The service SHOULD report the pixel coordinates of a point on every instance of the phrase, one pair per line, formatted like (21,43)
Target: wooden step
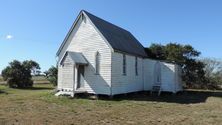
(156,88)
(80,90)
(69,92)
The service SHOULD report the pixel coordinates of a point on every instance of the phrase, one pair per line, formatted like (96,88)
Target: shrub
(51,75)
(18,74)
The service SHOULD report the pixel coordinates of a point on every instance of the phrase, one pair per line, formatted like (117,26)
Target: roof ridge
(120,39)
(105,20)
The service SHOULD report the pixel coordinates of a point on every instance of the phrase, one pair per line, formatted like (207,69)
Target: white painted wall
(170,76)
(65,73)
(87,40)
(178,77)
(148,69)
(129,82)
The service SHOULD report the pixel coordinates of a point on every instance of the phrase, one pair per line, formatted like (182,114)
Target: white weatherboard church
(98,57)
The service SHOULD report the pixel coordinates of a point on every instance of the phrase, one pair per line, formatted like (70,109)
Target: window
(158,78)
(97,63)
(124,64)
(158,73)
(83,18)
(136,66)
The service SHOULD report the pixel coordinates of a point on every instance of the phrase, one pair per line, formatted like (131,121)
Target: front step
(156,88)
(80,90)
(69,92)
(64,93)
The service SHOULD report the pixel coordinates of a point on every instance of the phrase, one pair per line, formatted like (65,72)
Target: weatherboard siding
(69,39)
(66,77)
(129,82)
(178,78)
(170,76)
(148,70)
(87,40)
(59,86)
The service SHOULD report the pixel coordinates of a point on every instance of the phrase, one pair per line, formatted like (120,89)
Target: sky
(34,29)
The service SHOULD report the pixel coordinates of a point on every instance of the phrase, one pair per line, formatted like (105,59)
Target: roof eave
(69,33)
(103,37)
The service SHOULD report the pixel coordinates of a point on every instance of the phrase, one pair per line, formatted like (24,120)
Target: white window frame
(136,66)
(124,65)
(97,63)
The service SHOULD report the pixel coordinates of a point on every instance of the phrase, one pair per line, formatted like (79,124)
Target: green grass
(36,79)
(40,106)
(39,79)
(1,79)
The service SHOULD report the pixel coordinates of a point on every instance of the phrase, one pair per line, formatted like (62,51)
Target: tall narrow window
(136,66)
(124,64)
(83,18)
(97,63)
(158,73)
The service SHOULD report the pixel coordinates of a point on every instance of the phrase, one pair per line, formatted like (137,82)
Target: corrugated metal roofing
(77,58)
(118,38)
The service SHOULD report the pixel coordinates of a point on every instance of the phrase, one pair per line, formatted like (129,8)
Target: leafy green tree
(156,51)
(18,74)
(183,55)
(33,66)
(51,75)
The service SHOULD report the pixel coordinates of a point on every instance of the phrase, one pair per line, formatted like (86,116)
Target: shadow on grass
(34,87)
(39,88)
(186,97)
(3,92)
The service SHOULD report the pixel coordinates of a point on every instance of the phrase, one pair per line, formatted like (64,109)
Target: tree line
(196,72)
(203,73)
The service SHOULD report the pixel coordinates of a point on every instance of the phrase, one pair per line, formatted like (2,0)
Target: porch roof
(77,58)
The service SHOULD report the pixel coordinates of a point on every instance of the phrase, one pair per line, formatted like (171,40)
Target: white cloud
(9,37)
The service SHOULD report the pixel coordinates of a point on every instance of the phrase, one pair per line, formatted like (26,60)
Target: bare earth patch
(38,106)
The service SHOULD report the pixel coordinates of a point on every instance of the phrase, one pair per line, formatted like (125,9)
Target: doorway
(80,77)
(157,74)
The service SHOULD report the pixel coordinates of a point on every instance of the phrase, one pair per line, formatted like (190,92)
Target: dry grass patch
(39,106)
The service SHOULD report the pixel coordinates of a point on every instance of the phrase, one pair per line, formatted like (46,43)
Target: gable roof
(120,39)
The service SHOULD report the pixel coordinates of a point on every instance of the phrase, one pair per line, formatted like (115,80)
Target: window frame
(97,63)
(124,65)
(136,66)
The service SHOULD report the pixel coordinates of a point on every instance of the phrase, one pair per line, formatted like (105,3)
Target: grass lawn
(36,79)
(39,106)
(1,79)
(39,79)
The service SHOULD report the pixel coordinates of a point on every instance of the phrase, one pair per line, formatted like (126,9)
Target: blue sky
(34,29)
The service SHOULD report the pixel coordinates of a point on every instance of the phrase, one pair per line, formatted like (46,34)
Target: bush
(51,75)
(18,74)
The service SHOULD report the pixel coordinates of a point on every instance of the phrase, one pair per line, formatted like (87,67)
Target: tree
(213,72)
(51,75)
(18,74)
(156,51)
(184,55)
(33,66)
(212,66)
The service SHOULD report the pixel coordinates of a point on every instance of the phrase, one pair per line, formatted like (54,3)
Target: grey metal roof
(119,38)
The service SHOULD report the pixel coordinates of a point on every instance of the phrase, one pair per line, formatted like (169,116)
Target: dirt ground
(38,106)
